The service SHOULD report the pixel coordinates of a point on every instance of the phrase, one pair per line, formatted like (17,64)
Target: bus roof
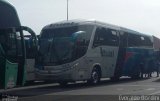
(91,22)
(8,15)
(79,22)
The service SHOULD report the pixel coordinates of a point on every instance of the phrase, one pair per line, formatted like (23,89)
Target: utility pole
(67,10)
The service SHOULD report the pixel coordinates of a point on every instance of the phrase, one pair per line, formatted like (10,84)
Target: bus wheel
(95,77)
(63,83)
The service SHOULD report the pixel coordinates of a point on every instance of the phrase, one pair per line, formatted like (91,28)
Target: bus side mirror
(79,36)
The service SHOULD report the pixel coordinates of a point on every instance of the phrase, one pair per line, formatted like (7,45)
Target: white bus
(78,50)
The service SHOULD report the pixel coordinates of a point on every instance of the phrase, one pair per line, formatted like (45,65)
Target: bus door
(31,46)
(121,54)
(106,41)
(22,66)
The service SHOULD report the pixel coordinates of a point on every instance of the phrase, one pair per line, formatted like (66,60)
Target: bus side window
(105,36)
(99,38)
(112,38)
(147,42)
(134,40)
(12,48)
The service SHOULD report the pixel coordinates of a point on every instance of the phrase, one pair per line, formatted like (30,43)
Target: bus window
(12,47)
(3,37)
(147,42)
(30,47)
(105,36)
(8,44)
(134,40)
(139,41)
(19,44)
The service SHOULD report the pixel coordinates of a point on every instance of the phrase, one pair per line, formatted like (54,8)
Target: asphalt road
(106,91)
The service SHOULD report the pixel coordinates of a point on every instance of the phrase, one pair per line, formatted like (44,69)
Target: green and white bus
(78,50)
(12,47)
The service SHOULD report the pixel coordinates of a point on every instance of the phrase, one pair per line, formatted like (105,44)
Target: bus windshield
(63,45)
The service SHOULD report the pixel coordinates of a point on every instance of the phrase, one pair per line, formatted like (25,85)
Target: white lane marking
(155,93)
(156,86)
(151,89)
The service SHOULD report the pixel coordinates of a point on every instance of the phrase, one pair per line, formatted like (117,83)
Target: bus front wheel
(95,77)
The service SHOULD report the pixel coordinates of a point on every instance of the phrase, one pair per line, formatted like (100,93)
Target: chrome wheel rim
(95,77)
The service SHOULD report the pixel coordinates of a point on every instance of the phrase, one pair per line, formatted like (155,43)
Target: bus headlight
(75,65)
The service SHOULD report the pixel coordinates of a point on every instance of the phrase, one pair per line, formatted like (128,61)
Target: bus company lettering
(107,53)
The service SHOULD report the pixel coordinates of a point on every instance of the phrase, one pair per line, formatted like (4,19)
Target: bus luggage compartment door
(8,77)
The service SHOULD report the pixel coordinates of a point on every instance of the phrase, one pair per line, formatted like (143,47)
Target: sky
(138,15)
